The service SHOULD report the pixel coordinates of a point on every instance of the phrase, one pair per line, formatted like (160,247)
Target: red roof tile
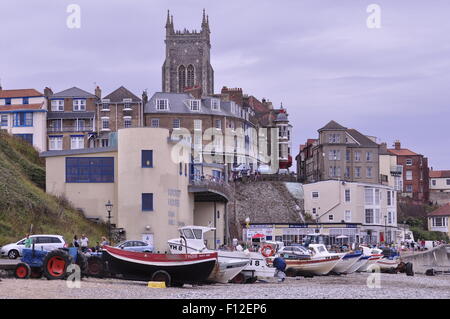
(17,107)
(439,174)
(19,93)
(402,152)
(441,211)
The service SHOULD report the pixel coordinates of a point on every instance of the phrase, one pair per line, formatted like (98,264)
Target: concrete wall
(172,204)
(204,216)
(440,198)
(434,258)
(90,197)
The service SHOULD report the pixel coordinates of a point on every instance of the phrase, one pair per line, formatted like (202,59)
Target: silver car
(135,245)
(41,242)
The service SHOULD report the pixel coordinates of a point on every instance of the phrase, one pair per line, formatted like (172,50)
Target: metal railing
(86,128)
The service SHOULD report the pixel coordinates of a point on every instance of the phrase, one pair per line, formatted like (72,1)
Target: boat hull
(387,264)
(359,264)
(348,261)
(225,270)
(314,266)
(373,259)
(182,268)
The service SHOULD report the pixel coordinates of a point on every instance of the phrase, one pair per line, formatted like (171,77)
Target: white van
(41,242)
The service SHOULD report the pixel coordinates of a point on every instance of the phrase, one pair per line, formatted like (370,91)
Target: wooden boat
(175,270)
(238,266)
(388,263)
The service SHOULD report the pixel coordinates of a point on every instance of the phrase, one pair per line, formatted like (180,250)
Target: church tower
(187,64)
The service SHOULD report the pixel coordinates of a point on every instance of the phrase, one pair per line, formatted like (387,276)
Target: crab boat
(374,255)
(359,264)
(174,270)
(236,266)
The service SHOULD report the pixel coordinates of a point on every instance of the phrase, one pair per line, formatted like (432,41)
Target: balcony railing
(396,170)
(70,129)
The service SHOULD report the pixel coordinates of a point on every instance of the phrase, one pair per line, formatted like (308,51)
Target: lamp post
(109,206)
(385,229)
(247,225)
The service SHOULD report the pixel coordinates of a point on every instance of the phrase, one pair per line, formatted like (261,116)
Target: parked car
(241,168)
(41,242)
(135,245)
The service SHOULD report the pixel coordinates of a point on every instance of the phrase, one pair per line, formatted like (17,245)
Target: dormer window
(233,107)
(79,105)
(127,104)
(162,104)
(194,105)
(215,104)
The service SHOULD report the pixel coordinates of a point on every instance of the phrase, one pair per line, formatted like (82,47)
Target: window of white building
(348,216)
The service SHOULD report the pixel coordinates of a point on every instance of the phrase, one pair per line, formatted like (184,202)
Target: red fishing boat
(173,269)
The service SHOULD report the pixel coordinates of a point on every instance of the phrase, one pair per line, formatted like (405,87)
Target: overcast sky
(318,57)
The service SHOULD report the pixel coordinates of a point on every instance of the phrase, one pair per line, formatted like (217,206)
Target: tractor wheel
(409,269)
(238,279)
(36,272)
(95,267)
(162,275)
(56,263)
(82,262)
(22,271)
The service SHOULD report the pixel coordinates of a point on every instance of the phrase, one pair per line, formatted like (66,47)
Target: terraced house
(71,119)
(23,114)
(119,109)
(340,153)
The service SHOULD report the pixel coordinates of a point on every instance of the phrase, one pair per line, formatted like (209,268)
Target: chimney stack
(48,92)
(98,92)
(397,145)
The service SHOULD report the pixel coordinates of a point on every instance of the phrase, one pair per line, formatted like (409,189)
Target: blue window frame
(89,169)
(8,101)
(26,137)
(147,202)
(25,100)
(3,119)
(147,158)
(23,119)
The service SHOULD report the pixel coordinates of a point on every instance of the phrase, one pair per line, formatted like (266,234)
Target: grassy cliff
(23,201)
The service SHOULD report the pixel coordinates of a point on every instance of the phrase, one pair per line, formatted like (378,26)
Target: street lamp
(385,229)
(109,206)
(247,225)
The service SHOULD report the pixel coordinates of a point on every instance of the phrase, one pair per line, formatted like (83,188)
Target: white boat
(374,254)
(347,262)
(239,265)
(359,263)
(388,263)
(320,261)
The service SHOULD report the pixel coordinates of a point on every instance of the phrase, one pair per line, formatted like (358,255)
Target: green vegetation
(416,217)
(23,201)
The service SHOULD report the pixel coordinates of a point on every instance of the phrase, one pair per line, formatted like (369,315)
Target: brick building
(119,109)
(339,153)
(71,118)
(416,183)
